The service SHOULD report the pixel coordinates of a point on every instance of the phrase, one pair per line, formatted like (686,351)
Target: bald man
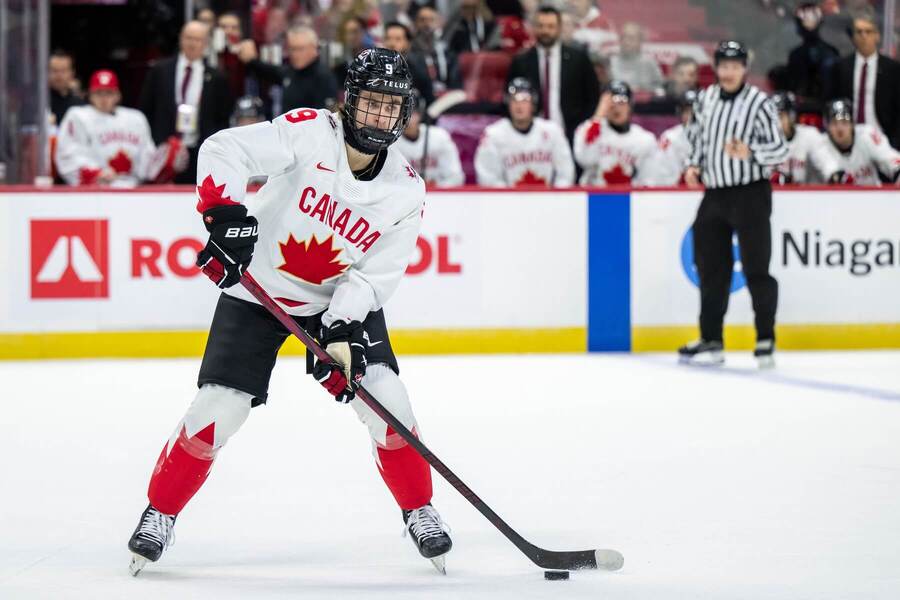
(184,96)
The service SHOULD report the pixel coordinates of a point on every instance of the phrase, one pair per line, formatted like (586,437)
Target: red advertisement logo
(70,259)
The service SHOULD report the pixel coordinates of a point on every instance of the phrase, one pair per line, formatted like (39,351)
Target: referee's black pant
(745,210)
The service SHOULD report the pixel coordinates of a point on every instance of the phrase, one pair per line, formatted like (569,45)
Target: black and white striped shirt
(749,116)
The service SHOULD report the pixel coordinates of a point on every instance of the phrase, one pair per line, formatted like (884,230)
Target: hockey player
(103,143)
(805,164)
(610,148)
(674,147)
(860,152)
(442,168)
(335,226)
(523,150)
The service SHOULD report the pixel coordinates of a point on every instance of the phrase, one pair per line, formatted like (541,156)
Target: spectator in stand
(860,152)
(601,68)
(591,28)
(684,77)
(610,148)
(630,65)
(552,67)
(354,38)
(228,61)
(106,144)
(183,95)
(523,150)
(471,29)
(206,16)
(809,63)
(430,150)
(442,65)
(63,85)
(398,37)
(306,81)
(805,163)
(835,25)
(870,79)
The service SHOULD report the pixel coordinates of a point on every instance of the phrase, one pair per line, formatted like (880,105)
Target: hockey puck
(556,575)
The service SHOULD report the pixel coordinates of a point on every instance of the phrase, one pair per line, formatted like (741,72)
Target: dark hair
(60,53)
(549,9)
(683,60)
(868,17)
(405,29)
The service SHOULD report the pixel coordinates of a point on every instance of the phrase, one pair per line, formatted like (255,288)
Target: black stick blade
(603,559)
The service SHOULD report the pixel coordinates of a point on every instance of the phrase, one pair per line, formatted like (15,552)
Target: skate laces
(157,527)
(425,523)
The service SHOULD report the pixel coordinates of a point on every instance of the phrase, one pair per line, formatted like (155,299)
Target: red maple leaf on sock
(312,261)
(210,195)
(120,163)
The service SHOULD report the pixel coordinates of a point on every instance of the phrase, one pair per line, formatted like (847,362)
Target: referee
(736,139)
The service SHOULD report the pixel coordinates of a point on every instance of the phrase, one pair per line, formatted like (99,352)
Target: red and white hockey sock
(181,469)
(405,472)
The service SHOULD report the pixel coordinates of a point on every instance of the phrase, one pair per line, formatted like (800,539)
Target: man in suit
(183,95)
(870,79)
(552,67)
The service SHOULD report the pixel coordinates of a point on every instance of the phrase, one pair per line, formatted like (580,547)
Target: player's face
(105,101)
(546,29)
(730,74)
(841,132)
(786,124)
(377,110)
(619,112)
(521,110)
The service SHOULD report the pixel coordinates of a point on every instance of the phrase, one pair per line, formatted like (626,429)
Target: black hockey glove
(345,343)
(229,250)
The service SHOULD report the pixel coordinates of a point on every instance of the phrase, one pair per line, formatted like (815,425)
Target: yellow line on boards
(170,344)
(828,336)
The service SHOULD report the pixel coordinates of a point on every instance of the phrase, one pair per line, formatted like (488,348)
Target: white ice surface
(713,483)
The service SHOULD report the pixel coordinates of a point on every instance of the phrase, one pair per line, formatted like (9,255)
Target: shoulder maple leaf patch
(312,261)
(209,195)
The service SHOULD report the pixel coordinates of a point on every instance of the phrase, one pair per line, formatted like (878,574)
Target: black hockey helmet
(382,73)
(785,102)
(247,107)
(731,50)
(520,85)
(840,109)
(687,99)
(619,89)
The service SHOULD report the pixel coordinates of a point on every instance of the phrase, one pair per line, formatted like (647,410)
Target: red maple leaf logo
(312,261)
(616,175)
(211,195)
(593,132)
(529,178)
(412,174)
(120,163)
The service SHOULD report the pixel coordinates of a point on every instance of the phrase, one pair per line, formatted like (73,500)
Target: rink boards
(111,273)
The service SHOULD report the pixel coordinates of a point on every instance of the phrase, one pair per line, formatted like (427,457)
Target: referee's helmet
(731,50)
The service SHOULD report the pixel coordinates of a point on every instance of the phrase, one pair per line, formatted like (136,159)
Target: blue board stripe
(609,272)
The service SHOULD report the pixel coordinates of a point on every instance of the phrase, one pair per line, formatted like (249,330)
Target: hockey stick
(609,560)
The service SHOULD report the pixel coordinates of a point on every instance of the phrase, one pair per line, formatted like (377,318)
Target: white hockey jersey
(672,158)
(506,157)
(90,140)
(327,241)
(609,157)
(804,163)
(444,168)
(870,154)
